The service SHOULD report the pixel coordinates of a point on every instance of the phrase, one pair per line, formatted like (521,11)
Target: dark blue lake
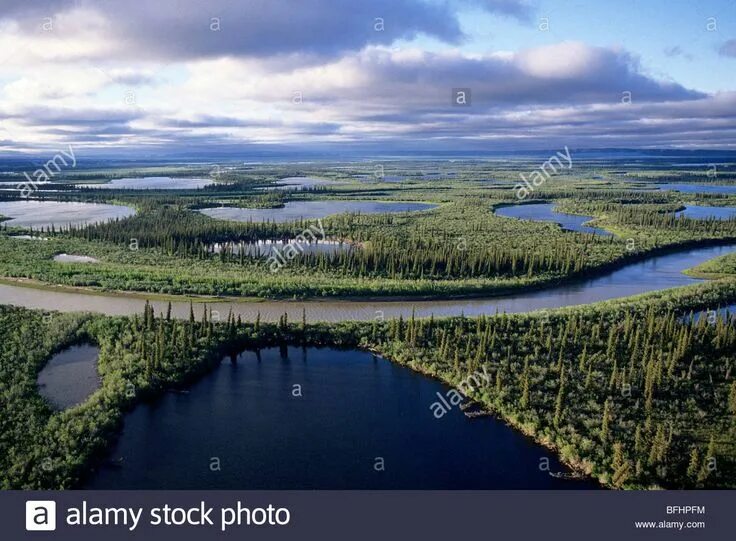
(356,409)
(545,212)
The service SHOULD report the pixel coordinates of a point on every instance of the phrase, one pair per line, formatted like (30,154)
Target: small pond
(265,248)
(70,376)
(26,237)
(70,258)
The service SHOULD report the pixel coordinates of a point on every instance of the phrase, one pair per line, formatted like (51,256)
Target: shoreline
(483,294)
(574,467)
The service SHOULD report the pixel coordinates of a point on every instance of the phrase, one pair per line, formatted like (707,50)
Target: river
(654,273)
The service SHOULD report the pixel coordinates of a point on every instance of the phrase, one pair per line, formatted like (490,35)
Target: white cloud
(562,60)
(66,85)
(73,36)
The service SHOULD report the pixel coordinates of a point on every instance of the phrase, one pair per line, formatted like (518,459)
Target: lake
(70,376)
(297,183)
(265,248)
(37,214)
(311,210)
(545,212)
(700,212)
(698,188)
(151,183)
(355,410)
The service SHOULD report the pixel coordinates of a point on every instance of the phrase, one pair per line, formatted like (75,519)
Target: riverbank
(657,272)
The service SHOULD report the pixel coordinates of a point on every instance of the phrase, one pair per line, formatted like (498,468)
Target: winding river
(654,273)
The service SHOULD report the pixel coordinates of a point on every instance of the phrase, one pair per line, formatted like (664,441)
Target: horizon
(283,155)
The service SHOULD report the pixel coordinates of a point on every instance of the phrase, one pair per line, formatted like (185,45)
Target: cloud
(130,77)
(728,48)
(234,83)
(677,51)
(85,118)
(383,80)
(569,91)
(514,8)
(57,82)
(184,30)
(72,36)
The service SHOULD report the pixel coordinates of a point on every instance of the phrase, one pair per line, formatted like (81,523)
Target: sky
(187,76)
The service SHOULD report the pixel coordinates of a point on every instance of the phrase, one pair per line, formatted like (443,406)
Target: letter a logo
(40,516)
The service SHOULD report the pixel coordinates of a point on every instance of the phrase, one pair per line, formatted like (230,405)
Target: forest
(637,393)
(459,248)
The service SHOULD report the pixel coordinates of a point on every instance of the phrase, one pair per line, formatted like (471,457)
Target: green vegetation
(719,267)
(636,392)
(628,392)
(41,448)
(458,249)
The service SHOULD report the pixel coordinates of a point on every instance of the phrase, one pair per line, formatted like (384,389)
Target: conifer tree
(606,421)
